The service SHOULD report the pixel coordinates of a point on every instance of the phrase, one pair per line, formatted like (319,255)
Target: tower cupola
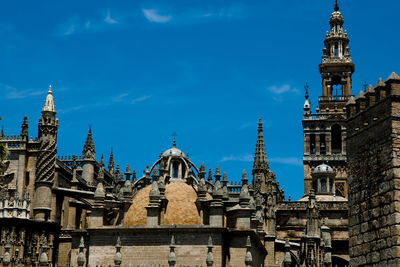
(336,67)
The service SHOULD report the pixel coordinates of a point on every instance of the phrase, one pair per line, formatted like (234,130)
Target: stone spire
(102,160)
(24,129)
(202,187)
(111,162)
(217,190)
(225,191)
(244,177)
(209,178)
(260,161)
(244,197)
(88,148)
(260,165)
(49,102)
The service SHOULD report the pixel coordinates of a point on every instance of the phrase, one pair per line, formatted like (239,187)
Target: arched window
(336,135)
(175,168)
(323,186)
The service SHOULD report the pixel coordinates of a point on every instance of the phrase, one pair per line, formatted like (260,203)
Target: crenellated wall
(373,141)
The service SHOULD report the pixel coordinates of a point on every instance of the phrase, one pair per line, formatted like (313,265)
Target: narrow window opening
(336,133)
(175,167)
(312,143)
(26,178)
(323,185)
(322,144)
(336,49)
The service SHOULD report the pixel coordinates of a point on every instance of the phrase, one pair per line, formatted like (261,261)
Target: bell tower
(324,130)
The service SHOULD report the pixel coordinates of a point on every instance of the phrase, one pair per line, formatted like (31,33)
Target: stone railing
(322,205)
(325,157)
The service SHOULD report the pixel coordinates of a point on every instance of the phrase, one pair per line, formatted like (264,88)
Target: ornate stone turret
(336,67)
(88,153)
(46,160)
(323,179)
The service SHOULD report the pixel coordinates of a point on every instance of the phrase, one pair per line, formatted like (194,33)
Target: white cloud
(282,89)
(70,30)
(119,98)
(245,158)
(88,24)
(140,99)
(153,16)
(290,161)
(14,93)
(108,19)
(75,108)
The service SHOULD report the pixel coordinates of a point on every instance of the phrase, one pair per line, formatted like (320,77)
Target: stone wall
(152,246)
(374,176)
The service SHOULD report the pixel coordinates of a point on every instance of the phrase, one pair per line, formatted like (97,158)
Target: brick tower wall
(373,150)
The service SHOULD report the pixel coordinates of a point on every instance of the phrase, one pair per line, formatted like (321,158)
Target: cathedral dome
(323,168)
(174,152)
(181,207)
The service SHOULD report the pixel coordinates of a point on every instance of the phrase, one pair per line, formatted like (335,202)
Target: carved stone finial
(210,258)
(81,256)
(118,255)
(172,256)
(248,259)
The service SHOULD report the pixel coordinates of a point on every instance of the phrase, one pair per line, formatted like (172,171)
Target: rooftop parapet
(374,95)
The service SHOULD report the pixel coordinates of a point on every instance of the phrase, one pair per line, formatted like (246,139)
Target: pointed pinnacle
(202,168)
(210,243)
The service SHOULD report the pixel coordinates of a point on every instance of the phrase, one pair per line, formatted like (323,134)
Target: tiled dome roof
(181,208)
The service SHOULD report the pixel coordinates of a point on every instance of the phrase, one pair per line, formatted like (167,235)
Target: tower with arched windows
(324,130)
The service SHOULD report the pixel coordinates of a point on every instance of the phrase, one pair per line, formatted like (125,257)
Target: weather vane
(336,5)
(306,88)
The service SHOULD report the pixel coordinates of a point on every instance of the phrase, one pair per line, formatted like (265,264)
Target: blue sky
(137,71)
